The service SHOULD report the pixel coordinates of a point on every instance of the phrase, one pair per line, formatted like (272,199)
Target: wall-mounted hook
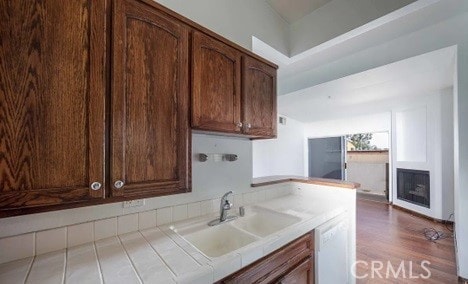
(202,157)
(230,157)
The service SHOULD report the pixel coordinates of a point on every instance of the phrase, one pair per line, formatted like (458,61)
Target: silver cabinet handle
(118,184)
(239,124)
(96,185)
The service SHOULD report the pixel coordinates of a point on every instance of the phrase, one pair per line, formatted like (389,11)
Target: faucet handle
(227,205)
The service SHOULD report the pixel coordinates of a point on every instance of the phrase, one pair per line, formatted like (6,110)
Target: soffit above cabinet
(292,11)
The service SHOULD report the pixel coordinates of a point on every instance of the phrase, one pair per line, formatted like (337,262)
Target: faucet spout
(224,206)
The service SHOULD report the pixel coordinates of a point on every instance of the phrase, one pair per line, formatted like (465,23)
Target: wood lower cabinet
(52,102)
(293,263)
(301,274)
(150,149)
(216,86)
(258,98)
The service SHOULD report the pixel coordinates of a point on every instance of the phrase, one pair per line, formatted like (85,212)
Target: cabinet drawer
(277,264)
(301,274)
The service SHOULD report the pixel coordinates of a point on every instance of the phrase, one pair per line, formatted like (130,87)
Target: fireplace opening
(413,186)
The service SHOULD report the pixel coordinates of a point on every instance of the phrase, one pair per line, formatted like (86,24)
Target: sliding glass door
(327,157)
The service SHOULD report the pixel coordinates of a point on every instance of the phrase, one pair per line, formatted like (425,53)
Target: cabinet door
(301,274)
(215,86)
(150,144)
(52,98)
(258,98)
(275,265)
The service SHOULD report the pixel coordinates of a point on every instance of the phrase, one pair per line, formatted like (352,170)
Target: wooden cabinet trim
(306,266)
(98,86)
(277,264)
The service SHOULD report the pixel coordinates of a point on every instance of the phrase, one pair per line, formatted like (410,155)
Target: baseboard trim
(422,215)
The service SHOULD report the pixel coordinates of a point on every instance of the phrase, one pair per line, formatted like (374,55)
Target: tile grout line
(130,259)
(29,269)
(160,257)
(66,257)
(187,253)
(65,263)
(101,275)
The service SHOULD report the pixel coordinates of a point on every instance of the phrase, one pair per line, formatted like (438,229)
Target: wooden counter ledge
(269,180)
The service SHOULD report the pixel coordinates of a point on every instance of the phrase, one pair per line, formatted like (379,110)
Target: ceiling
(372,91)
(372,45)
(291,11)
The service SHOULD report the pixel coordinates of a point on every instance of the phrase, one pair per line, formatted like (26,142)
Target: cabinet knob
(118,184)
(239,124)
(248,126)
(96,185)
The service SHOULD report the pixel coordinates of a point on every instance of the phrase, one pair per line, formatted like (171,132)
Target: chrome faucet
(224,206)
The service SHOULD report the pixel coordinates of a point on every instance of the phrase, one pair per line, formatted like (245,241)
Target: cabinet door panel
(52,96)
(150,145)
(258,98)
(275,265)
(216,85)
(301,274)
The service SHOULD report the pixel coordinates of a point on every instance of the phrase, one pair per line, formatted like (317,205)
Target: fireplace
(413,186)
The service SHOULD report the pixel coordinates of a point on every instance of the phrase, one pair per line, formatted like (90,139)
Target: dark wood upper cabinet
(52,99)
(216,85)
(258,98)
(95,100)
(231,91)
(150,149)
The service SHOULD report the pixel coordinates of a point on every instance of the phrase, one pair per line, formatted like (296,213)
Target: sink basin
(218,240)
(262,222)
(227,237)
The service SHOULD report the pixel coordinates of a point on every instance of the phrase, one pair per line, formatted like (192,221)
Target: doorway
(327,158)
(363,158)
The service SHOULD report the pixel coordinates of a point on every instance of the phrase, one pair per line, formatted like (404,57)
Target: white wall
(418,144)
(379,122)
(446,155)
(281,156)
(411,134)
(461,158)
(236,20)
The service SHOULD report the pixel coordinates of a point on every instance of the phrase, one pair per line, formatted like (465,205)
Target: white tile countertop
(159,255)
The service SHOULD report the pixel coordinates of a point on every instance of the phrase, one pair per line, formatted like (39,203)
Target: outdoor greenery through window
(366,142)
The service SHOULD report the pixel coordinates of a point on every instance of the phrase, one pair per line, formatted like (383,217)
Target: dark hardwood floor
(388,236)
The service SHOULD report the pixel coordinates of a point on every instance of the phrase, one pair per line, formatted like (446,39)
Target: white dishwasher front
(331,251)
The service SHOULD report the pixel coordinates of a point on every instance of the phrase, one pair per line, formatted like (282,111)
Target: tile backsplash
(41,242)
